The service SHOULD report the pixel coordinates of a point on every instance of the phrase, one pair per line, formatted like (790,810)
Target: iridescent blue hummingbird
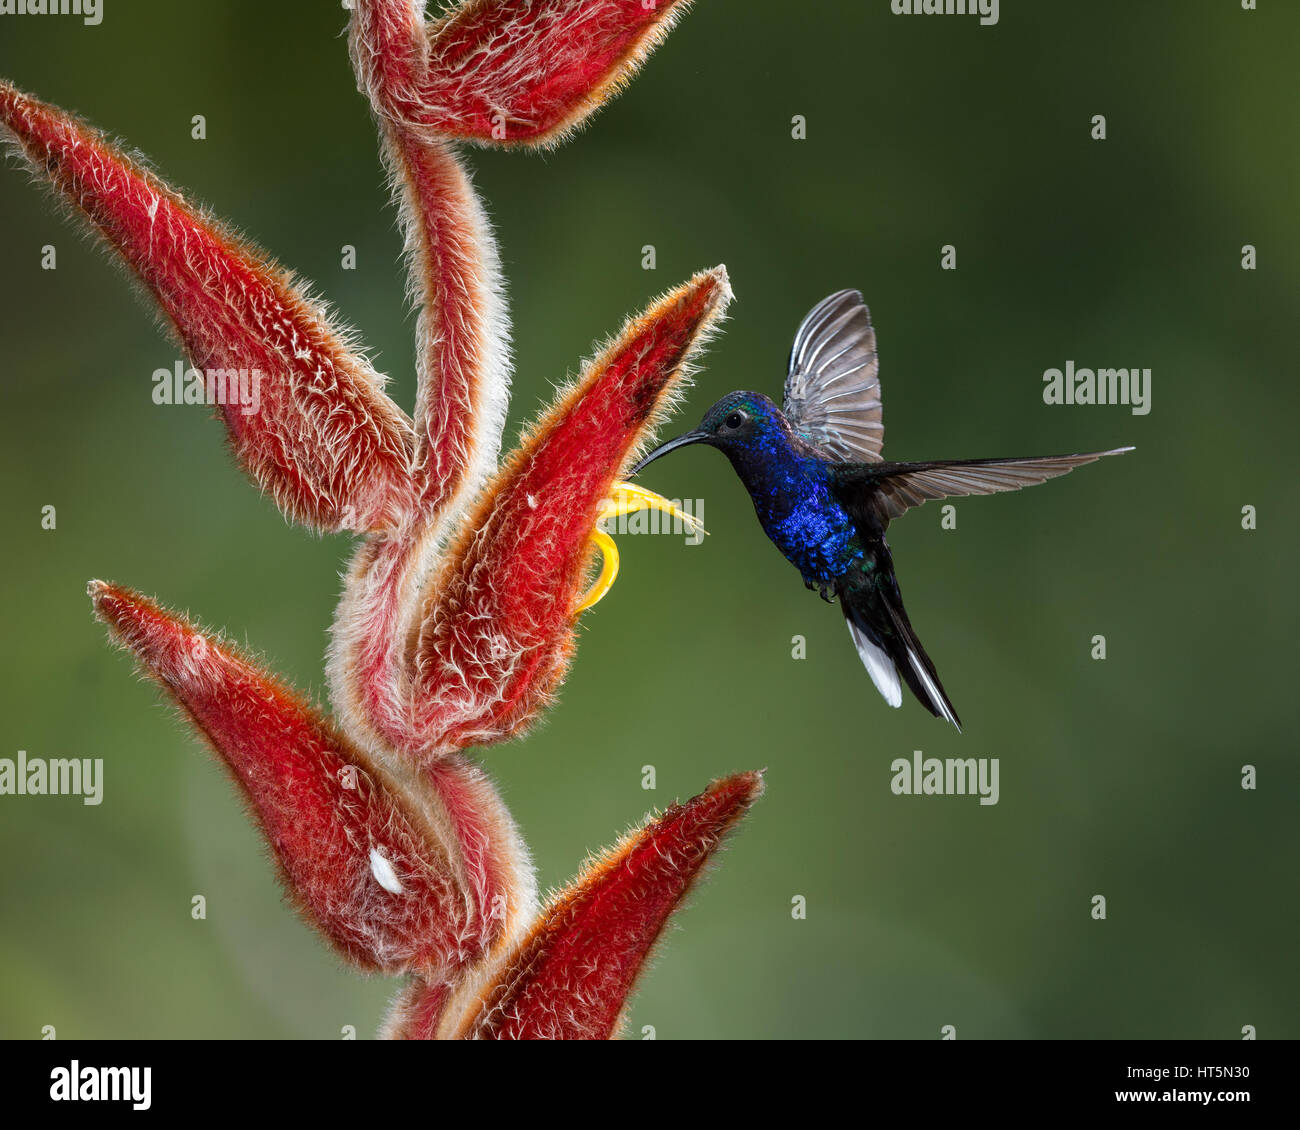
(825,497)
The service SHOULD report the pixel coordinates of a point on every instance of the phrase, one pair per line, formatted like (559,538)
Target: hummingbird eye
(734,421)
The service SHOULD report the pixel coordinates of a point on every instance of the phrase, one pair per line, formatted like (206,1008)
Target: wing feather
(832,389)
(904,485)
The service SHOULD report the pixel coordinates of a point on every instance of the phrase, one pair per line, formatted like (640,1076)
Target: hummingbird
(825,497)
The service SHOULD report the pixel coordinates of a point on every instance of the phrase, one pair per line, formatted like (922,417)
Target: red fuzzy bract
(457,617)
(522,71)
(326,809)
(568,978)
(325,441)
(498,630)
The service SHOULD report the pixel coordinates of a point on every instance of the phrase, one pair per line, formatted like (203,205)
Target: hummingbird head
(737,424)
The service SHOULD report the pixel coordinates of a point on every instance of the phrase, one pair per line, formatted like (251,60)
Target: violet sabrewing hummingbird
(825,497)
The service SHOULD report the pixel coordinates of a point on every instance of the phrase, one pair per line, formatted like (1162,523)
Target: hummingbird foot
(626,499)
(822,588)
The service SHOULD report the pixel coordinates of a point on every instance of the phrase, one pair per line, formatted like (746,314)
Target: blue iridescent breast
(805,520)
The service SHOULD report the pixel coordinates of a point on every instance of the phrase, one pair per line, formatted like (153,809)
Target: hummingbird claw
(627,498)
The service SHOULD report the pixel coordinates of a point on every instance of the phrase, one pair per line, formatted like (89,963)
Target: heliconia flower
(456,624)
(567,977)
(522,71)
(399,871)
(331,448)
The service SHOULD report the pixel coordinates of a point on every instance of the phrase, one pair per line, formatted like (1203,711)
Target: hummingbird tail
(896,651)
(881,668)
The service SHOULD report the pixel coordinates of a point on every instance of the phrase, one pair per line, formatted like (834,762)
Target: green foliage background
(1119,777)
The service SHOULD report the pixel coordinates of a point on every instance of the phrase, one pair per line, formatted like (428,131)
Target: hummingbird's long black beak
(665,448)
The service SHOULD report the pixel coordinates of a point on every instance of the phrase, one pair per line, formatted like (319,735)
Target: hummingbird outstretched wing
(900,486)
(832,389)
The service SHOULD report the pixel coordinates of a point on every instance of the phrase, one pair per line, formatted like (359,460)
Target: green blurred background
(1119,778)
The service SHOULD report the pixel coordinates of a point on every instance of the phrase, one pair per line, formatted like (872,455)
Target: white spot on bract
(383,872)
(532,502)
